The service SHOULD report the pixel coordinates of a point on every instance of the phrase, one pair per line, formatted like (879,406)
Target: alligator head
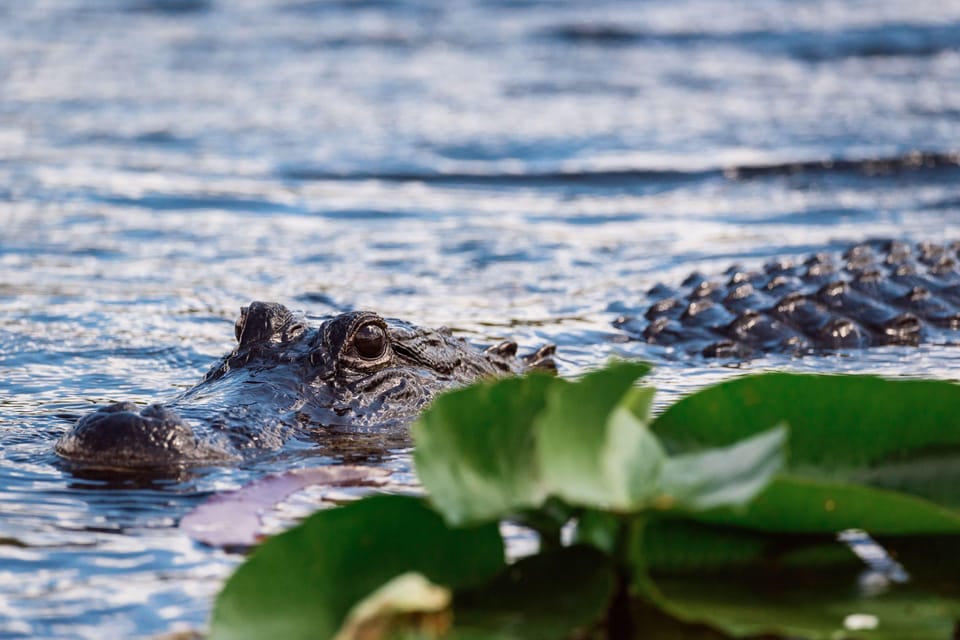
(353,374)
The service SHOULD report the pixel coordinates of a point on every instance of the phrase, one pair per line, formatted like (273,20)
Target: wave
(892,39)
(912,162)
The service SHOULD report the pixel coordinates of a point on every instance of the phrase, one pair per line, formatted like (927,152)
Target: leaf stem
(620,623)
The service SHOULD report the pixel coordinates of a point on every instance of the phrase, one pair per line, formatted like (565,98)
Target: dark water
(511,169)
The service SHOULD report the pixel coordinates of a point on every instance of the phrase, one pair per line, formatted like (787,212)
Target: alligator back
(875,293)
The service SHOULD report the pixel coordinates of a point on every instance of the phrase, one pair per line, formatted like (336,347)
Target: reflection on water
(510,169)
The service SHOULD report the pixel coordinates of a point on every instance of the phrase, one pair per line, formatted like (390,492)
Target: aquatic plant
(775,504)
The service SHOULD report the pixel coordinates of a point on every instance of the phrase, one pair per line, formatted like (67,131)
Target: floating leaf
(233,520)
(858,446)
(680,546)
(303,583)
(504,447)
(818,604)
(810,505)
(748,583)
(837,422)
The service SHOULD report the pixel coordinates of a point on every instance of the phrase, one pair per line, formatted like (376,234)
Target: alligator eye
(370,341)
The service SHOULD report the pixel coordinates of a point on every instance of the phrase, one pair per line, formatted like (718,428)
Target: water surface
(510,169)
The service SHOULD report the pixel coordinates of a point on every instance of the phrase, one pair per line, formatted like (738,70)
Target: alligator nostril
(125,436)
(116,408)
(160,412)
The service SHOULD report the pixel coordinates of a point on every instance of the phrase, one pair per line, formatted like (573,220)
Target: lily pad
(475,449)
(882,455)
(837,422)
(233,520)
(304,582)
(590,450)
(747,583)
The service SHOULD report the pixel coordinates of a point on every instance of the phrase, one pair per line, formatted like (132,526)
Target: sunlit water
(510,169)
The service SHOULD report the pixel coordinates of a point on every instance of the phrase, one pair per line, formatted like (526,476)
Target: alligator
(353,374)
(879,292)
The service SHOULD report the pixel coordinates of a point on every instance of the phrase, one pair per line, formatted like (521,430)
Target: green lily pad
(475,452)
(590,450)
(747,583)
(837,422)
(801,504)
(304,582)
(815,605)
(883,455)
(728,476)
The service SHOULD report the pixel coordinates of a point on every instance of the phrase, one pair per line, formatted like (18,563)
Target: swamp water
(510,169)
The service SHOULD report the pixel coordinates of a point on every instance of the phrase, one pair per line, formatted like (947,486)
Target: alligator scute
(881,292)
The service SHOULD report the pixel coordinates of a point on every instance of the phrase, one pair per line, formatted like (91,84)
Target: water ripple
(514,170)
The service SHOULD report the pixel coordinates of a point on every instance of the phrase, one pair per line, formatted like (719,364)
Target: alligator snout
(125,434)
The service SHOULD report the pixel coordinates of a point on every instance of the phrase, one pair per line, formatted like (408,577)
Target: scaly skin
(875,293)
(355,374)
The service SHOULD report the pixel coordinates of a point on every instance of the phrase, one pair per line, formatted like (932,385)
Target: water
(511,169)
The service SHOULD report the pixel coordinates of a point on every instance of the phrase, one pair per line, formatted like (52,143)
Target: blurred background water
(515,169)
